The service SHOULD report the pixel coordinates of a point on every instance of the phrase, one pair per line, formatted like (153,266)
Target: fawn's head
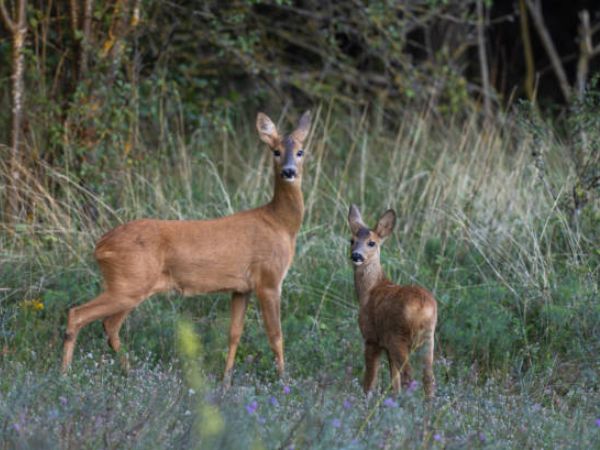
(365,243)
(288,151)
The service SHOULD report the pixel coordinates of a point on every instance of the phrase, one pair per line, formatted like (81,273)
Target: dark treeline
(87,76)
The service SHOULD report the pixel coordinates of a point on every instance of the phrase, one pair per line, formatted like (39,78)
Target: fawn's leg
(394,374)
(428,377)
(372,354)
(398,353)
(269,300)
(239,303)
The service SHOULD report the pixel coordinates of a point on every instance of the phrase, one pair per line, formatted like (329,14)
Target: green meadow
(482,223)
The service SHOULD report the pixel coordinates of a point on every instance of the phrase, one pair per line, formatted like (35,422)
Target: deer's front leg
(239,304)
(269,300)
(372,354)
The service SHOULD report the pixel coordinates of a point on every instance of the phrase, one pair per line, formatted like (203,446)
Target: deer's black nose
(288,173)
(357,257)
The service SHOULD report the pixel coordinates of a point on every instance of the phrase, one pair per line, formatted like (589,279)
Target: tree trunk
(18,30)
(483,62)
(535,9)
(528,51)
(86,28)
(81,27)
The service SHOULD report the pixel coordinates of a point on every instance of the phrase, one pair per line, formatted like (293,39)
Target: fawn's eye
(371,243)
(351,241)
(300,153)
(276,152)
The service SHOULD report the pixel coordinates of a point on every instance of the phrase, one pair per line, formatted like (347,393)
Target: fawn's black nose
(357,257)
(288,173)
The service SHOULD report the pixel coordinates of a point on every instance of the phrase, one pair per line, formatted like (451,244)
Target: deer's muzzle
(357,257)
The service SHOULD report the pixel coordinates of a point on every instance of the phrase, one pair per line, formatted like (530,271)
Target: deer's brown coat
(249,251)
(395,319)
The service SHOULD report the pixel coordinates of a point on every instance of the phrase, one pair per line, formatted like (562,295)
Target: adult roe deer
(397,319)
(244,252)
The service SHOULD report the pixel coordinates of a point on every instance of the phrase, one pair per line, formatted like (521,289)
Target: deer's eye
(300,153)
(371,243)
(351,241)
(276,152)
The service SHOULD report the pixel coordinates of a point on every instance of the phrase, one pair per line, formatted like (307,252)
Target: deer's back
(227,254)
(394,311)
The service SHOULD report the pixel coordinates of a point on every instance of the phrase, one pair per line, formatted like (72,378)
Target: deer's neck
(366,277)
(288,204)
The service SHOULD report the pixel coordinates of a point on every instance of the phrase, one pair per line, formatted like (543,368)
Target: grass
(519,318)
(153,408)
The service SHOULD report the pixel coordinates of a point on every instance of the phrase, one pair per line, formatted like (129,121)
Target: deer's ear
(355,219)
(303,128)
(267,131)
(386,223)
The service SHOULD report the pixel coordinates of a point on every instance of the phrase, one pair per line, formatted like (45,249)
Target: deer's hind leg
(112,326)
(106,304)
(395,377)
(400,370)
(428,377)
(372,355)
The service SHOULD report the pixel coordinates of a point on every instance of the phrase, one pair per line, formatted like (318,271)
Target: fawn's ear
(355,219)
(386,223)
(267,131)
(303,128)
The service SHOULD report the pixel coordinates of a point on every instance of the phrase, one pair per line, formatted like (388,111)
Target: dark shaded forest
(73,70)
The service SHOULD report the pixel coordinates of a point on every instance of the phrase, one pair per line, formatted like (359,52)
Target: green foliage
(516,286)
(477,326)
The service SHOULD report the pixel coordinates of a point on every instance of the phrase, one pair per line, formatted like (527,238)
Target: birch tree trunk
(18,29)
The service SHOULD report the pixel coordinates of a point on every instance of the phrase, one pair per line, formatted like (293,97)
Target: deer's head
(288,151)
(365,243)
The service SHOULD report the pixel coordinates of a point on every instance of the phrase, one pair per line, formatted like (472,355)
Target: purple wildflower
(336,423)
(390,403)
(17,427)
(482,437)
(536,407)
(598,422)
(412,387)
(273,401)
(286,389)
(437,437)
(62,400)
(252,407)
(347,404)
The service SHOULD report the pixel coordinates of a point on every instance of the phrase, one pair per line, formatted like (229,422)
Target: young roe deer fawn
(244,252)
(397,319)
